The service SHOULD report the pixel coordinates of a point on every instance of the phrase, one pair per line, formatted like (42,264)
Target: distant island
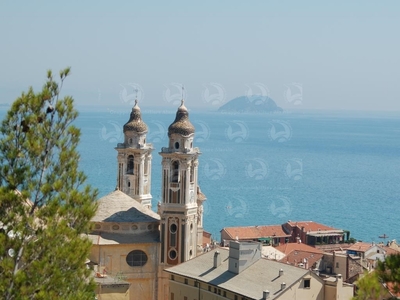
(256,103)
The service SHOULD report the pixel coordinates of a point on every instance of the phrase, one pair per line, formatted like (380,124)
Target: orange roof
(255,232)
(390,251)
(296,257)
(290,247)
(310,226)
(360,247)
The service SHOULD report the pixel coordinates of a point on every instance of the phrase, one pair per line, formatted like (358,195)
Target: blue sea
(337,168)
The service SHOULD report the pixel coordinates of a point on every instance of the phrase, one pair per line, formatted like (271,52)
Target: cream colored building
(132,242)
(240,274)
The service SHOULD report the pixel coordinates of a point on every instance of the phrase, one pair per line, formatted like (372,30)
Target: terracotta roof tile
(255,232)
(360,247)
(298,257)
(310,226)
(290,247)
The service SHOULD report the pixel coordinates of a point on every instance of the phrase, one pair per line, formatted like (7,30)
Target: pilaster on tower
(134,160)
(179,210)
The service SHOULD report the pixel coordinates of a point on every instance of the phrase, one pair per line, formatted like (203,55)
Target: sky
(337,55)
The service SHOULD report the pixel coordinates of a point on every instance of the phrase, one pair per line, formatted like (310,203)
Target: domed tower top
(135,123)
(181,125)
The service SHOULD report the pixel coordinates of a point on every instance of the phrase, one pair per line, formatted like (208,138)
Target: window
(224,294)
(215,290)
(186,281)
(209,288)
(175,171)
(197,284)
(176,145)
(172,277)
(185,298)
(172,296)
(236,297)
(129,169)
(172,254)
(136,258)
(307,283)
(337,265)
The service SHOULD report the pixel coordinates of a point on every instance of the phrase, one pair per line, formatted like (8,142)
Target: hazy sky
(304,54)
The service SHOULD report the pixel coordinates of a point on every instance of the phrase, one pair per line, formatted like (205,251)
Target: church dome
(182,124)
(135,122)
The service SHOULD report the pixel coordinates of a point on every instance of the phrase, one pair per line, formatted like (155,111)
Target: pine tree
(45,206)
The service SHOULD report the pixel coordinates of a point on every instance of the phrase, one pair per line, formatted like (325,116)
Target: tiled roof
(360,247)
(260,276)
(310,226)
(255,232)
(290,247)
(298,257)
(119,207)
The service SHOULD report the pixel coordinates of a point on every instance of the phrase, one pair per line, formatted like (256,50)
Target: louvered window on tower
(130,166)
(175,172)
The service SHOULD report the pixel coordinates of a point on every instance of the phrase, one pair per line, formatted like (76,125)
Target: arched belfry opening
(130,165)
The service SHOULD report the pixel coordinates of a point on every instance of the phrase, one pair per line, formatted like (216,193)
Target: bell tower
(179,207)
(134,160)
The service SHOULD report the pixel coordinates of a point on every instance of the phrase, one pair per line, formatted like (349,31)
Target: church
(131,242)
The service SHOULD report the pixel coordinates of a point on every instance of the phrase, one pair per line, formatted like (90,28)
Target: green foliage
(45,208)
(375,285)
(389,271)
(369,287)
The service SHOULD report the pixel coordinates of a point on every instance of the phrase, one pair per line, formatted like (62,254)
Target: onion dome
(181,125)
(135,122)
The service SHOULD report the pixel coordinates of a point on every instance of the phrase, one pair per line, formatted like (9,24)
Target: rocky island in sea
(253,104)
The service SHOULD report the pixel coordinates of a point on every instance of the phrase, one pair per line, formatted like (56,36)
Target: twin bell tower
(181,206)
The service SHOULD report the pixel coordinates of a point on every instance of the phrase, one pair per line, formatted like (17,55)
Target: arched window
(136,258)
(175,172)
(130,166)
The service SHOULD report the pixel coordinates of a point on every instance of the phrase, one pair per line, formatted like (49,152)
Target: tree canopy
(45,205)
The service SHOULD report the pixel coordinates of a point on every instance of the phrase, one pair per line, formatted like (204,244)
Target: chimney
(265,295)
(217,259)
(283,286)
(280,272)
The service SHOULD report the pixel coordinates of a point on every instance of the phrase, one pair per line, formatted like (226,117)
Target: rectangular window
(215,290)
(236,297)
(337,265)
(224,294)
(196,284)
(186,281)
(172,277)
(219,292)
(172,296)
(307,283)
(209,288)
